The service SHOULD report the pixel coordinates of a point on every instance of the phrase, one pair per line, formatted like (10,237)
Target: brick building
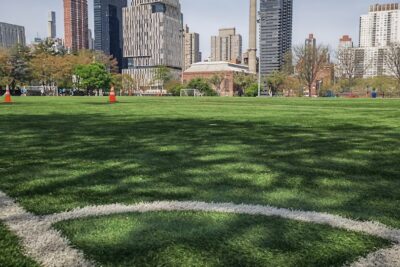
(225,70)
(76,24)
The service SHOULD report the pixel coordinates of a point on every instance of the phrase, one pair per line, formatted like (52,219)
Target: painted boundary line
(34,230)
(39,240)
(371,228)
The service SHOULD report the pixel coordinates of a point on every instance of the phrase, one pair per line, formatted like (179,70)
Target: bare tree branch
(310,61)
(392,61)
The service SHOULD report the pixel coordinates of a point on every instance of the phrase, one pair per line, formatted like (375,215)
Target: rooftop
(217,66)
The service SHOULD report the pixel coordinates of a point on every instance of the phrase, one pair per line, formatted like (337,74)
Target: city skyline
(333,19)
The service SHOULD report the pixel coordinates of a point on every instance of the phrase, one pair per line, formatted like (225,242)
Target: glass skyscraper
(108,28)
(276,18)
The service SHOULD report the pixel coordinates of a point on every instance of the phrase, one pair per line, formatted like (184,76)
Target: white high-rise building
(381,26)
(153,37)
(378,29)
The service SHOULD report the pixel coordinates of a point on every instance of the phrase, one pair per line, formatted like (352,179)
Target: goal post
(191,93)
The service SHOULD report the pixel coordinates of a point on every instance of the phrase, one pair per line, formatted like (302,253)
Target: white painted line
(371,228)
(39,240)
(382,258)
(48,247)
(387,257)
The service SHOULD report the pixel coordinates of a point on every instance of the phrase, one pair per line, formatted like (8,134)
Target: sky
(327,19)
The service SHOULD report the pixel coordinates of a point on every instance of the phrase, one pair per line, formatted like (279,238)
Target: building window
(158,8)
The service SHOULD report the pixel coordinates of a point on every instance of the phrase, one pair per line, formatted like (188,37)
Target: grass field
(198,239)
(335,156)
(11,254)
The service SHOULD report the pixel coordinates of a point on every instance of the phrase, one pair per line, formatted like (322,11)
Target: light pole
(182,35)
(259,76)
(259,54)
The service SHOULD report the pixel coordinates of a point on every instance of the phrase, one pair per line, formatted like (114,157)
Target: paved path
(48,247)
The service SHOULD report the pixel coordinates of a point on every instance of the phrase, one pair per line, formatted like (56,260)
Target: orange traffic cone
(113,97)
(7,95)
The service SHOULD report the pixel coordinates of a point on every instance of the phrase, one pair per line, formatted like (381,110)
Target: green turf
(210,239)
(336,156)
(11,254)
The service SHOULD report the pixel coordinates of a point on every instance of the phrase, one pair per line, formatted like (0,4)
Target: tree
(162,75)
(287,67)
(93,76)
(128,83)
(251,90)
(20,57)
(293,86)
(346,66)
(310,61)
(243,81)
(48,46)
(44,68)
(392,59)
(5,68)
(108,61)
(174,87)
(216,80)
(202,85)
(275,81)
(351,64)
(383,84)
(116,81)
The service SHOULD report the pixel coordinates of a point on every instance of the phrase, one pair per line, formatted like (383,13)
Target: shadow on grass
(56,162)
(209,239)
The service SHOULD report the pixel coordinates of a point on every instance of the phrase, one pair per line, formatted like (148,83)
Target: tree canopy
(93,76)
(202,85)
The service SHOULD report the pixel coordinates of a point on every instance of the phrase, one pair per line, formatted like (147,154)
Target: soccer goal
(40,91)
(191,92)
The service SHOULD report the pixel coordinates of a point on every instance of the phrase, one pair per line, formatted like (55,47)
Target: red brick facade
(76,24)
(227,87)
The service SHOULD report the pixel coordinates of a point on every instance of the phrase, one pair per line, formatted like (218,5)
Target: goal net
(191,92)
(40,91)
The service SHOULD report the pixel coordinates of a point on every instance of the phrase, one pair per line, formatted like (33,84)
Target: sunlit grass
(329,155)
(337,156)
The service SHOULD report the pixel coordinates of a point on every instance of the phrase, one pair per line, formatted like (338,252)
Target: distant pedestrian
(374,94)
(240,92)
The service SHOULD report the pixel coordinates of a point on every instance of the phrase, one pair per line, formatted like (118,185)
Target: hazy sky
(327,19)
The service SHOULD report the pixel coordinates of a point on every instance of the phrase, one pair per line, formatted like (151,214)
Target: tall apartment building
(76,24)
(227,46)
(152,31)
(276,18)
(378,29)
(90,40)
(381,26)
(346,42)
(11,35)
(311,41)
(51,28)
(192,52)
(108,28)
